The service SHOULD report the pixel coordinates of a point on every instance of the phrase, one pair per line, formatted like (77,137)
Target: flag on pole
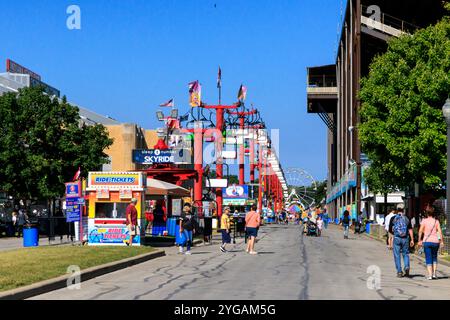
(242,93)
(219,79)
(169,103)
(77,175)
(195,94)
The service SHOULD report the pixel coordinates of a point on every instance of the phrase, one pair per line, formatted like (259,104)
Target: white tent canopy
(158,187)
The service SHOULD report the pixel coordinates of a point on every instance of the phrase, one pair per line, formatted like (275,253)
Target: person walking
(14,221)
(319,225)
(325,218)
(252,222)
(346,223)
(187,229)
(430,229)
(400,227)
(22,218)
(131,216)
(225,226)
(389,235)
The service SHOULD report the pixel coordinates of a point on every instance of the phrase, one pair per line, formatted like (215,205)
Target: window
(110,210)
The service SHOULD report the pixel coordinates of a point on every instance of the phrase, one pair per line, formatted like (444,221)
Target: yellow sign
(116,180)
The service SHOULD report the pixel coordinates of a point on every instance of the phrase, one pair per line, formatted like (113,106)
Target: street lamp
(446,112)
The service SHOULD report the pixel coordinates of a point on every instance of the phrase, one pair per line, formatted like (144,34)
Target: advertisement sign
(115,180)
(125,194)
(234,202)
(73,210)
(171,156)
(111,236)
(102,194)
(73,190)
(176,207)
(14,67)
(235,192)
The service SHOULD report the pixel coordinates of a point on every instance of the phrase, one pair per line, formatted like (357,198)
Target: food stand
(109,194)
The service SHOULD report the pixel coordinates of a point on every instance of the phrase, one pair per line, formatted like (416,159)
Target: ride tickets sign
(110,236)
(115,180)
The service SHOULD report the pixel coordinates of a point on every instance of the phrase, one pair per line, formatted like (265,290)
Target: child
(319,225)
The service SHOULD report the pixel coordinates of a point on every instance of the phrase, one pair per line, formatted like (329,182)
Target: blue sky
(132,55)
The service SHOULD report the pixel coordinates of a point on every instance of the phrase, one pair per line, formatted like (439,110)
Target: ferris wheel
(303,188)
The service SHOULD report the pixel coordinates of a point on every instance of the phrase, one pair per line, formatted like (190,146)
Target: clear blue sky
(132,55)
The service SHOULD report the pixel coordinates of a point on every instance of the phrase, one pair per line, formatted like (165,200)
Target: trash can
(30,235)
(368,227)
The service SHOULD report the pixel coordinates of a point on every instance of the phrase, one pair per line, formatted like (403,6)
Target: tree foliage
(402,129)
(42,144)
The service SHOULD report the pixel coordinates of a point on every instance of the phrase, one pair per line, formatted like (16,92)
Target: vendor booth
(109,194)
(164,202)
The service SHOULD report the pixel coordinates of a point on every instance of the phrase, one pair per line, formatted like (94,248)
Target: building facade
(332,93)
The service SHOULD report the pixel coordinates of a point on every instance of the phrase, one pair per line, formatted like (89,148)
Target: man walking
(131,216)
(225,226)
(252,222)
(400,227)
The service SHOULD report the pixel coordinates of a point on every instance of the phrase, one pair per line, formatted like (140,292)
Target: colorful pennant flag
(169,103)
(77,175)
(242,93)
(195,94)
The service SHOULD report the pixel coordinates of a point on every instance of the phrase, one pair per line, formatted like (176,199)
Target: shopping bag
(182,239)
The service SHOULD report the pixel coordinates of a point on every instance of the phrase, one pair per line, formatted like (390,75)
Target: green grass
(29,265)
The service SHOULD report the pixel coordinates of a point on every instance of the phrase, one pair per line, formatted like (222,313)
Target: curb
(60,282)
(416,256)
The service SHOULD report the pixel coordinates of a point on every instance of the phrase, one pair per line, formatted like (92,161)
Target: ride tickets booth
(109,195)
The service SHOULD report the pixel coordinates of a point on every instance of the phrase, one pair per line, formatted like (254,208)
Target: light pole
(446,112)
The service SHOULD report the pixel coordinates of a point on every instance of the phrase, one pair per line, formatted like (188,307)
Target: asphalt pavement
(289,266)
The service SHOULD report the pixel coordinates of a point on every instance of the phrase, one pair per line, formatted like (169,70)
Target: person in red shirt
(131,214)
(252,222)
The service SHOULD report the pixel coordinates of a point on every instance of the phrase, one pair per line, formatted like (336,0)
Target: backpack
(346,220)
(400,227)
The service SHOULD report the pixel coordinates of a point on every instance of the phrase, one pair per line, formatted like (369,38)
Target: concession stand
(109,194)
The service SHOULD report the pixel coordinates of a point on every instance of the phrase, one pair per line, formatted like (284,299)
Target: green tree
(42,144)
(402,128)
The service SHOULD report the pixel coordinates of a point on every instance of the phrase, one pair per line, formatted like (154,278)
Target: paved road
(289,266)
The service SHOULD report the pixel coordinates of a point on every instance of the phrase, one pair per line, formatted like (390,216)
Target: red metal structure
(242,115)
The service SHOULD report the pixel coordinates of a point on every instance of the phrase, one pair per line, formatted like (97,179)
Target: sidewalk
(17,243)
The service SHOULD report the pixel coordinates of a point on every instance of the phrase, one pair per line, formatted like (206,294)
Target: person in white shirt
(387,220)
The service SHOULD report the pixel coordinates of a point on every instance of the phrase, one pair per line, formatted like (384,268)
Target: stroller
(311,229)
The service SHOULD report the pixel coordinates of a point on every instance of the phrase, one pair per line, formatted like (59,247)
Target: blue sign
(235,192)
(73,210)
(155,156)
(73,190)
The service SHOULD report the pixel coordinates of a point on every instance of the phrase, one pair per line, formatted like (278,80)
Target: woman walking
(430,229)
(346,223)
